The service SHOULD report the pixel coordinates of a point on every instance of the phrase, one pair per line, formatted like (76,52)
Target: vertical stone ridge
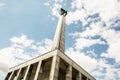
(59,37)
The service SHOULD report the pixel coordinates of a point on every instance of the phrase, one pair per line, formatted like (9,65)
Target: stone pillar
(8,75)
(87,78)
(69,73)
(38,70)
(26,73)
(54,68)
(11,76)
(18,74)
(79,76)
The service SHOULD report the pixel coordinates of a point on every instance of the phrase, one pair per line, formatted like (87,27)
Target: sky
(92,36)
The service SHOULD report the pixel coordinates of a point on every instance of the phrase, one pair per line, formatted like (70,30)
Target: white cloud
(113,39)
(83,60)
(101,66)
(77,15)
(83,39)
(16,53)
(111,36)
(43,46)
(91,53)
(111,74)
(91,31)
(77,4)
(81,43)
(55,9)
(95,66)
(103,63)
(98,73)
(107,10)
(3,69)
(22,40)
(12,56)
(94,30)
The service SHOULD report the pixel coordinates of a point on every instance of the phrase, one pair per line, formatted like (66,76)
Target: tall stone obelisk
(59,38)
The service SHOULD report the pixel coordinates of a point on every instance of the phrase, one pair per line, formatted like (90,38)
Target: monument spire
(59,37)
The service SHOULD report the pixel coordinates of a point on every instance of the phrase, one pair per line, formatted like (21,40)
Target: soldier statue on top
(63,12)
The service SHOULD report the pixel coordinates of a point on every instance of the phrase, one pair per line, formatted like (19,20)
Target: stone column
(11,76)
(18,74)
(87,78)
(38,70)
(26,73)
(54,68)
(79,76)
(8,75)
(69,73)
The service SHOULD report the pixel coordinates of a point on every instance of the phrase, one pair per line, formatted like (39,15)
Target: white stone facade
(53,65)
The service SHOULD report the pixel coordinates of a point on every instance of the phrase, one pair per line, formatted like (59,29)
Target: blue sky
(27,28)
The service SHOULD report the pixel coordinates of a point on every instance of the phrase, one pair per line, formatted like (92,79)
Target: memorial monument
(53,65)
